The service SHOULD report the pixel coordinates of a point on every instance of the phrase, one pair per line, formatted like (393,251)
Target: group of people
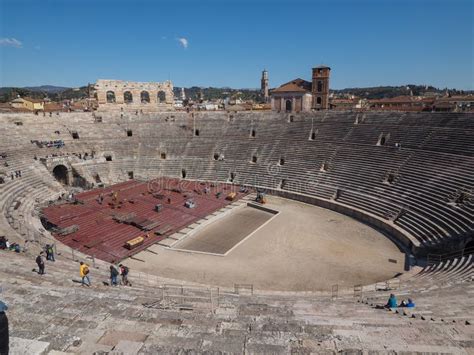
(6,245)
(123,272)
(15,174)
(84,269)
(393,303)
(49,251)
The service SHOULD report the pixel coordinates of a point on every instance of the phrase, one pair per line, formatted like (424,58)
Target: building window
(127,97)
(216,156)
(183,173)
(129,133)
(196,132)
(161,96)
(110,97)
(145,97)
(163,155)
(108,158)
(282,161)
(75,135)
(130,175)
(254,158)
(320,86)
(253,133)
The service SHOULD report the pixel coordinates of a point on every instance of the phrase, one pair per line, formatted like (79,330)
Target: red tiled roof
(297,85)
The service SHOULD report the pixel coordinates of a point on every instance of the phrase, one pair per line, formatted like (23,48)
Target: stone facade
(134,96)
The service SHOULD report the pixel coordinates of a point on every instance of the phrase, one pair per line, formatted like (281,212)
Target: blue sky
(228,43)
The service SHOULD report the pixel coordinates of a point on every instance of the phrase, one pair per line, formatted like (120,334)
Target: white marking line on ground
(274,212)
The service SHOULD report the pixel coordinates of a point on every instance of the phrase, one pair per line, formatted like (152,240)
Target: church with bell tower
(300,95)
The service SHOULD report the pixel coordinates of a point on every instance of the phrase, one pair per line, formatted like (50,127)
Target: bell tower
(264,86)
(320,87)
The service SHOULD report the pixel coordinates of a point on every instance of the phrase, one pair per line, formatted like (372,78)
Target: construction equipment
(135,242)
(261,197)
(190,204)
(231,196)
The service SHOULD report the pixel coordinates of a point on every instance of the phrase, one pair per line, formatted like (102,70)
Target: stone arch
(61,174)
(145,97)
(128,97)
(469,245)
(288,105)
(161,96)
(319,100)
(110,95)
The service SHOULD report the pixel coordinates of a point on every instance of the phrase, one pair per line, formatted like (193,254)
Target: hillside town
(297,95)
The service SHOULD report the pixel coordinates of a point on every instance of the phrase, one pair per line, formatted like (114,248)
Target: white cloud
(183,42)
(10,42)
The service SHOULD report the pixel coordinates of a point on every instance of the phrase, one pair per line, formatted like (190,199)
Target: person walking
(124,272)
(84,272)
(50,252)
(113,275)
(4,331)
(40,263)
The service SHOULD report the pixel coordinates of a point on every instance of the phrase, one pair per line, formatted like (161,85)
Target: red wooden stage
(127,211)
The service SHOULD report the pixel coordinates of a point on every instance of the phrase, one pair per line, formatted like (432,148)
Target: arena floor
(221,236)
(302,248)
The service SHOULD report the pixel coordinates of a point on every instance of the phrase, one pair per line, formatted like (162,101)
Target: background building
(301,96)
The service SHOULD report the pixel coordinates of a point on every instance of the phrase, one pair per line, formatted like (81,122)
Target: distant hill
(57,93)
(47,88)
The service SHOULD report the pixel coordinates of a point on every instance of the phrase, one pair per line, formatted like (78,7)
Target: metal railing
(437,258)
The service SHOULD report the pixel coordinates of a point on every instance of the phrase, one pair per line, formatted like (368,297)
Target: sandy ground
(222,235)
(303,248)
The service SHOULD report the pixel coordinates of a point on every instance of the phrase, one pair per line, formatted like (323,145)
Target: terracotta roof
(297,85)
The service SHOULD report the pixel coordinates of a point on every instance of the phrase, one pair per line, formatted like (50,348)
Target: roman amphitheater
(244,232)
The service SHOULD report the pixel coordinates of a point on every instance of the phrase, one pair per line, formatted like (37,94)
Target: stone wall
(118,95)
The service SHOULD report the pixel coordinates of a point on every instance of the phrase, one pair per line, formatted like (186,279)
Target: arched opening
(382,140)
(183,173)
(145,97)
(282,161)
(253,133)
(127,97)
(254,158)
(129,133)
(216,156)
(288,105)
(320,86)
(110,97)
(470,246)
(163,155)
(313,136)
(161,96)
(60,173)
(319,101)
(196,132)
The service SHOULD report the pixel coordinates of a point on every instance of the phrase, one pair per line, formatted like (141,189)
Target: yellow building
(28,104)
